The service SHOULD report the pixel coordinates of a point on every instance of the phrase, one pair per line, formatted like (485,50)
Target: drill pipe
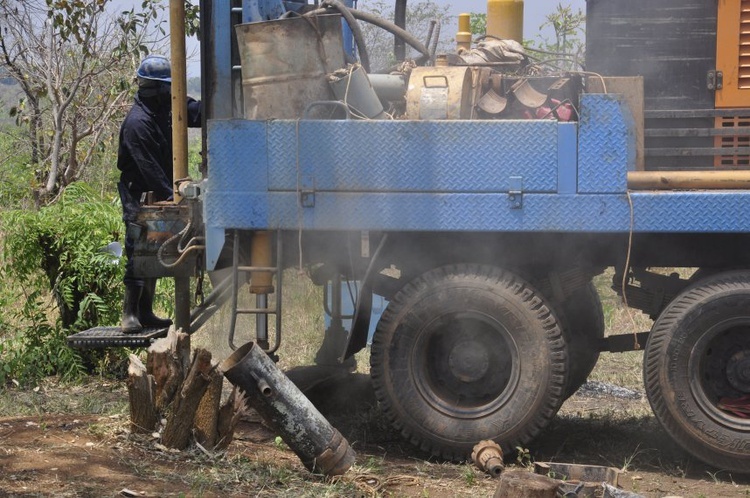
(321,448)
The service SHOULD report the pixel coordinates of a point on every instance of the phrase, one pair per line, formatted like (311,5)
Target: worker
(144,159)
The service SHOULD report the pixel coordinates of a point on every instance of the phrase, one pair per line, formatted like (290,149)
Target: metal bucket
(285,62)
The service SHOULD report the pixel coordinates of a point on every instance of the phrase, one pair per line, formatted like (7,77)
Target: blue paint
(606,144)
(448,176)
(567,158)
(220,60)
(347,34)
(262,10)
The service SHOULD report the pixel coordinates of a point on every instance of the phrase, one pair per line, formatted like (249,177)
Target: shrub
(57,251)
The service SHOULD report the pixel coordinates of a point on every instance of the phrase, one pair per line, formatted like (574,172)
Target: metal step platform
(113,337)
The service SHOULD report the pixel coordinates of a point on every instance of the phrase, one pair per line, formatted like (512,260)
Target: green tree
(478,23)
(567,50)
(74,62)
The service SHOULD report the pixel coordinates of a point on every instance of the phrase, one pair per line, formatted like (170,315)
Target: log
(207,414)
(181,411)
(523,484)
(166,364)
(141,393)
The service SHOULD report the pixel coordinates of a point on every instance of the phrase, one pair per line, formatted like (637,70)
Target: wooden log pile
(179,395)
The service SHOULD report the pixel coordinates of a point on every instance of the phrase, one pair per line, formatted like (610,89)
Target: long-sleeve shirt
(145,152)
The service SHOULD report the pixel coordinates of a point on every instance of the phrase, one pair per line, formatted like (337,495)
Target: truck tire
(582,321)
(698,358)
(465,353)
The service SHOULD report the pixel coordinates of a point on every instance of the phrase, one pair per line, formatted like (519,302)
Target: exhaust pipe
(321,447)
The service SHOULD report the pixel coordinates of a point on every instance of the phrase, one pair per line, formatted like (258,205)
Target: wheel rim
(720,362)
(465,364)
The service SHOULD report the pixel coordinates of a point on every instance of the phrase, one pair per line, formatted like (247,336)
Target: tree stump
(184,392)
(207,415)
(142,395)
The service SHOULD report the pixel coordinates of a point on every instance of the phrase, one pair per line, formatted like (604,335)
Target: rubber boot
(146,312)
(130,323)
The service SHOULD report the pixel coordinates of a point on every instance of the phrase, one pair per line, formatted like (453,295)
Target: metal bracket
(715,80)
(307,198)
(515,192)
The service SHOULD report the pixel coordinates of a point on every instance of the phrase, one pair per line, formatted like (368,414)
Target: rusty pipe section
(488,457)
(689,180)
(321,447)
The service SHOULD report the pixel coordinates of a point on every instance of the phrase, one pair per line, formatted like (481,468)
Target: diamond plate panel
(435,212)
(606,144)
(695,211)
(414,156)
(708,212)
(237,156)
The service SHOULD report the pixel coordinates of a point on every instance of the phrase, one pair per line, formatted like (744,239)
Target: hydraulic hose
(392,28)
(381,23)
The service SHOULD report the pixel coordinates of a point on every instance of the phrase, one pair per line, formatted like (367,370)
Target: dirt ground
(76,443)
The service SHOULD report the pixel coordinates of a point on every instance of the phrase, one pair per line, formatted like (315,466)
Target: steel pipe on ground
(689,180)
(321,447)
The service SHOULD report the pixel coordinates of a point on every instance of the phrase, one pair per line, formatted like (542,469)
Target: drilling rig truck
(479,193)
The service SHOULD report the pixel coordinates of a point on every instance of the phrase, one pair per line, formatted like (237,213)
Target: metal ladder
(261,310)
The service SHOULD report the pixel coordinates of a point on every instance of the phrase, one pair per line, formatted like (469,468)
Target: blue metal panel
(606,141)
(219,66)
(692,211)
(567,158)
(262,10)
(445,176)
(237,156)
(419,212)
(414,156)
(346,32)
(707,212)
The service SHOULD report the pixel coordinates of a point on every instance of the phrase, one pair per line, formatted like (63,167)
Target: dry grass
(302,322)
(623,435)
(303,325)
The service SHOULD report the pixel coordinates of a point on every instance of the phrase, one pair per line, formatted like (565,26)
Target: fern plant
(57,251)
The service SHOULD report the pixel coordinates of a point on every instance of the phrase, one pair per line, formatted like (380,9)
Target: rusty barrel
(321,447)
(285,62)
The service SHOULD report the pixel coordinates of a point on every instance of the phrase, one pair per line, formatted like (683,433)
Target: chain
(199,282)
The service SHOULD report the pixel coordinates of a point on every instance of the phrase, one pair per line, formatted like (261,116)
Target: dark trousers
(130,207)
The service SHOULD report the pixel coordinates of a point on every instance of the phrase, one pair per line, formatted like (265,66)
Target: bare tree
(74,62)
(419,22)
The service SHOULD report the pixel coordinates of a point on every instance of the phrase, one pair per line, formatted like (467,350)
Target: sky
(535,12)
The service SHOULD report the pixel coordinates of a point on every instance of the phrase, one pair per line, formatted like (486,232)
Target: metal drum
(285,62)
(505,19)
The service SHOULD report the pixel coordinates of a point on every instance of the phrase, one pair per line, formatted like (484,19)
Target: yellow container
(463,37)
(505,19)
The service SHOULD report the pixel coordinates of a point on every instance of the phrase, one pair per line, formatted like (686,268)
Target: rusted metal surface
(488,457)
(582,480)
(285,62)
(320,447)
(157,234)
